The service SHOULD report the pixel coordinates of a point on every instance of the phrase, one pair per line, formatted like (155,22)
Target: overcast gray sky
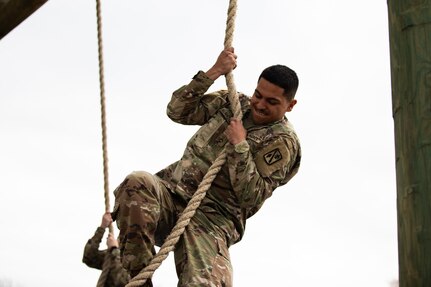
(333,225)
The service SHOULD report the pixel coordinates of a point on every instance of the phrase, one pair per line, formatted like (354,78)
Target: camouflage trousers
(145,212)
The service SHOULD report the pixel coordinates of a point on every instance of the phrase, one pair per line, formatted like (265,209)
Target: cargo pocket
(221,273)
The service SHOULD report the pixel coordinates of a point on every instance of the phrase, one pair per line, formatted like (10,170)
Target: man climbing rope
(108,260)
(263,153)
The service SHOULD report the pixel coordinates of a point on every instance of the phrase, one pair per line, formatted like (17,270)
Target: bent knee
(137,178)
(135,181)
(140,180)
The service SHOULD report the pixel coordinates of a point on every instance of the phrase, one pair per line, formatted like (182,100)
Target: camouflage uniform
(147,206)
(95,258)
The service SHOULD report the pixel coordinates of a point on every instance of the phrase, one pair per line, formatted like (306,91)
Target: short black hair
(284,77)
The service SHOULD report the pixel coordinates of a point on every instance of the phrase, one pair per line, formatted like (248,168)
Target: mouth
(260,113)
(259,116)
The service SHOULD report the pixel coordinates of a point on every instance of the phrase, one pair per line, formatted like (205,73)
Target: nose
(260,105)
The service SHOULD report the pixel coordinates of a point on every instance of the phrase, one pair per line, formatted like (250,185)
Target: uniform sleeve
(255,176)
(118,276)
(190,105)
(92,256)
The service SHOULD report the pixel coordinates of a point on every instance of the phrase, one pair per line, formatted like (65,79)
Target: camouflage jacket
(270,159)
(94,258)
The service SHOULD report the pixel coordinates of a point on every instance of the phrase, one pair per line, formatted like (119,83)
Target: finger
(227,132)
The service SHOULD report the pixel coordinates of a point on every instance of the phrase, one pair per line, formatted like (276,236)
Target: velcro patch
(272,158)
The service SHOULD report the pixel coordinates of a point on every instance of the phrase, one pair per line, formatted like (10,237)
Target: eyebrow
(267,98)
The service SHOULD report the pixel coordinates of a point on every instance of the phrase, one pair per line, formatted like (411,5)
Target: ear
(292,103)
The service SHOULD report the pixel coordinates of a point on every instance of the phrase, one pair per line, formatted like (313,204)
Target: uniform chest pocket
(212,133)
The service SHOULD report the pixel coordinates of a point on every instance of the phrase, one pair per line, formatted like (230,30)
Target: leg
(143,207)
(202,256)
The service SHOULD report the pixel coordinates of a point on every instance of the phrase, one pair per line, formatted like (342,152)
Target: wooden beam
(13,12)
(410,46)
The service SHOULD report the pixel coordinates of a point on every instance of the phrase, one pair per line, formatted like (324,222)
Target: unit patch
(273,156)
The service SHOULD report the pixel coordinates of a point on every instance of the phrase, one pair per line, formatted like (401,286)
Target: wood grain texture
(410,46)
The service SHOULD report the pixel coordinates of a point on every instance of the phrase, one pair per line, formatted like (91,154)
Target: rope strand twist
(103,111)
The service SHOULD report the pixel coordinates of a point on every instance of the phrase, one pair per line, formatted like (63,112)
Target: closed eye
(271,101)
(257,94)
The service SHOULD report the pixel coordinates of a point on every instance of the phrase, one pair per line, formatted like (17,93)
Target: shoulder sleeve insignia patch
(272,158)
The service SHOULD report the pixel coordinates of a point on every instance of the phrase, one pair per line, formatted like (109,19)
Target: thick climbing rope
(105,270)
(103,111)
(198,196)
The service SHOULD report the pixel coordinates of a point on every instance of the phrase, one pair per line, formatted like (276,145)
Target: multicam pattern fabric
(146,213)
(95,258)
(148,205)
(247,179)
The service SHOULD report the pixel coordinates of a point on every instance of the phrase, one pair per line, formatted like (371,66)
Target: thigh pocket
(222,269)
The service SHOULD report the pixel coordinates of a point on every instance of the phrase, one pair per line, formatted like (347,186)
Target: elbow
(86,261)
(173,115)
(248,201)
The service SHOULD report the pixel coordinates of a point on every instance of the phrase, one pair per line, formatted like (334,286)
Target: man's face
(268,104)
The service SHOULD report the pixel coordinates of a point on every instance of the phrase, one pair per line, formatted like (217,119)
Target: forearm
(92,256)
(188,104)
(214,73)
(119,275)
(255,175)
(250,188)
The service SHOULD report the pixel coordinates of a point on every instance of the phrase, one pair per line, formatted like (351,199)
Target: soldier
(108,260)
(263,153)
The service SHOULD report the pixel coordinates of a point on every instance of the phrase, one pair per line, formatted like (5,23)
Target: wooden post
(410,46)
(13,12)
